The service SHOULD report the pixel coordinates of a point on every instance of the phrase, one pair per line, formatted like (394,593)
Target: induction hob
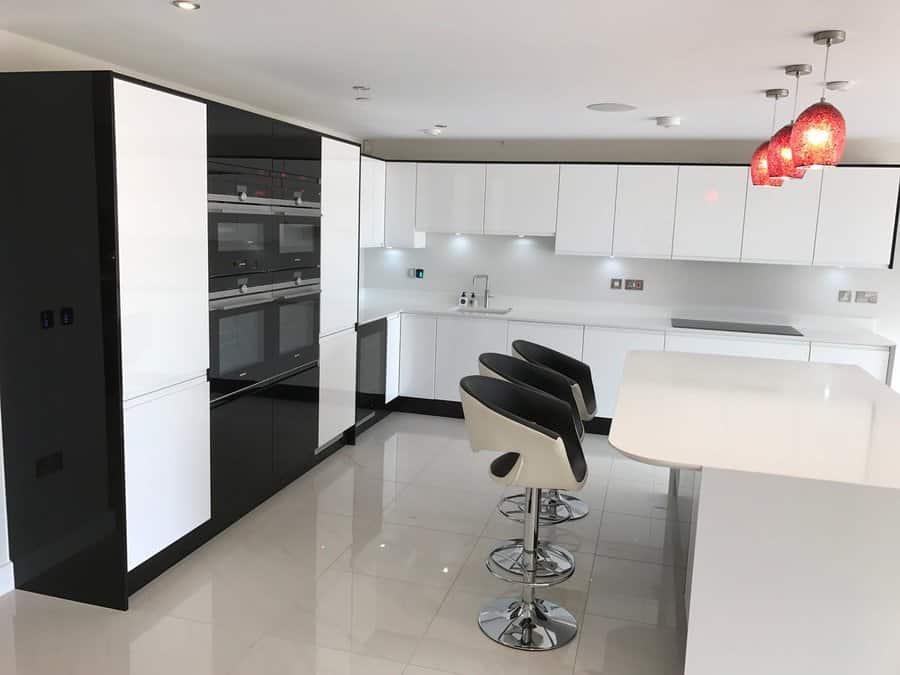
(737,327)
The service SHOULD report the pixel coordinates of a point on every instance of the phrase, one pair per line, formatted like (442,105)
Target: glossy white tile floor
(373,564)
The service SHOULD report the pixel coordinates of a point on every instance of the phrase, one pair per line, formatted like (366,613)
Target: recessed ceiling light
(362,98)
(185,5)
(361,88)
(668,121)
(611,107)
(434,130)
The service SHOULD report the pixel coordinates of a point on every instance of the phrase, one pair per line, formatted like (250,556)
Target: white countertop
(374,306)
(802,420)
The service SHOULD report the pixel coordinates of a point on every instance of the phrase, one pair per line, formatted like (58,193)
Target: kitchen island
(795,540)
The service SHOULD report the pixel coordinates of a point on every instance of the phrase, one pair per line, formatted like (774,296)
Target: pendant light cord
(825,74)
(774,111)
(796,96)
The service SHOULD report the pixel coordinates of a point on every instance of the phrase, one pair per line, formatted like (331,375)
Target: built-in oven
(261,326)
(296,238)
(240,238)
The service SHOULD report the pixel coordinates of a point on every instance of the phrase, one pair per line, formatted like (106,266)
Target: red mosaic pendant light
(820,132)
(781,157)
(759,162)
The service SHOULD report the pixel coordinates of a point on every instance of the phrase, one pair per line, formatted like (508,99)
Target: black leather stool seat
(577,371)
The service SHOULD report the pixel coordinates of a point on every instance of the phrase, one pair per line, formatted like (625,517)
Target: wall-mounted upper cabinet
(450,198)
(645,211)
(780,223)
(371,202)
(857,216)
(400,207)
(709,213)
(521,199)
(587,209)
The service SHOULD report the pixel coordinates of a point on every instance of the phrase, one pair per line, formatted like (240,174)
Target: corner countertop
(826,330)
(822,421)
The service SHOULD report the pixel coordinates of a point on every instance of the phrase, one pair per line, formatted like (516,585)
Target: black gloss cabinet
(60,377)
(371,369)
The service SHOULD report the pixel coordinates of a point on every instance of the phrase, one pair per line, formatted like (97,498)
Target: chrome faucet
(475,280)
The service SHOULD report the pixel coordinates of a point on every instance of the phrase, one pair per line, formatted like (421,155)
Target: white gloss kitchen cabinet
(709,212)
(340,235)
(563,338)
(874,360)
(645,211)
(400,207)
(780,223)
(586,209)
(450,198)
(605,350)
(857,216)
(520,199)
(460,341)
(418,338)
(371,203)
(337,384)
(163,294)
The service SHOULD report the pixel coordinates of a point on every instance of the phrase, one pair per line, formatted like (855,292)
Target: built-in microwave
(246,238)
(262,326)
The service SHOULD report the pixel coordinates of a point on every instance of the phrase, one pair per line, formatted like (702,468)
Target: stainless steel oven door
(297,318)
(242,334)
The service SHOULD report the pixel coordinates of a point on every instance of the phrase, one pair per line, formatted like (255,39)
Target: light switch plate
(870,297)
(845,296)
(634,284)
(615,284)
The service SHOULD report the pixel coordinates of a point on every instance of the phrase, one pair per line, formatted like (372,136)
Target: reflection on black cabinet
(241,451)
(295,407)
(237,134)
(262,440)
(371,360)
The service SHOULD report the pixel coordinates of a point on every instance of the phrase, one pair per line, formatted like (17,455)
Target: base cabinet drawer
(295,420)
(605,350)
(418,335)
(726,346)
(873,360)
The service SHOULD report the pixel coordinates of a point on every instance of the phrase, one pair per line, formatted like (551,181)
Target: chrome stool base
(553,564)
(536,626)
(556,508)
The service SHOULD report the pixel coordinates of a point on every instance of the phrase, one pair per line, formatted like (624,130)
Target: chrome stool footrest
(552,512)
(538,625)
(553,564)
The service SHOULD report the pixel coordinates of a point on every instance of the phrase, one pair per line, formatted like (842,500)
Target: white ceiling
(496,68)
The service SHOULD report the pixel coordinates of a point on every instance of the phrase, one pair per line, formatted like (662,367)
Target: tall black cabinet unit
(60,372)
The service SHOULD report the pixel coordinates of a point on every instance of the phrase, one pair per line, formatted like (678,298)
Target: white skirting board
(7,581)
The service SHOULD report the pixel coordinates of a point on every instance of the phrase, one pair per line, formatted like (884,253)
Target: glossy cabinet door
(605,350)
(763,348)
(857,215)
(586,211)
(780,223)
(450,198)
(563,338)
(709,212)
(874,360)
(521,199)
(162,237)
(645,211)
(295,411)
(371,203)
(460,341)
(400,207)
(392,359)
(418,335)
(340,235)
(167,468)
(337,391)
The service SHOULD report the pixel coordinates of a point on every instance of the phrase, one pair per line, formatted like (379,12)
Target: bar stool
(554,510)
(539,439)
(582,384)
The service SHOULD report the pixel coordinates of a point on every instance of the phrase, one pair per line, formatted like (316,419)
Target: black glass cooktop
(736,327)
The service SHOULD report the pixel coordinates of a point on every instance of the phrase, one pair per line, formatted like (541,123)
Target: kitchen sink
(486,311)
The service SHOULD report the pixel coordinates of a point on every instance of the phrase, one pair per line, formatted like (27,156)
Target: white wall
(528,267)
(6,567)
